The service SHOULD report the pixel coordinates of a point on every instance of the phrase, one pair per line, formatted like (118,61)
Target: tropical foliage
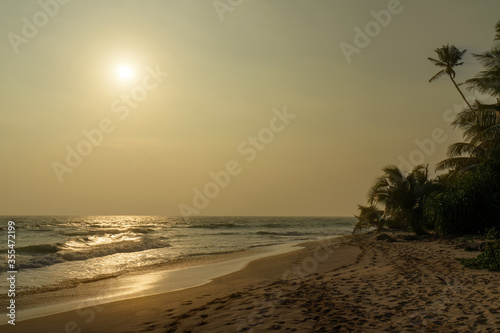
(471,201)
(369,217)
(489,259)
(402,196)
(488,80)
(465,197)
(469,204)
(481,130)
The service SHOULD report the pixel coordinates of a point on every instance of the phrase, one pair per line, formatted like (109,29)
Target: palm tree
(481,126)
(488,80)
(402,195)
(369,217)
(481,123)
(448,58)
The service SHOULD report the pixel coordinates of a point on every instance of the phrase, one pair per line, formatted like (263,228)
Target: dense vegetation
(490,257)
(465,196)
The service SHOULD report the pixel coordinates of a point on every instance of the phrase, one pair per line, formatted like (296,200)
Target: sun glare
(124,72)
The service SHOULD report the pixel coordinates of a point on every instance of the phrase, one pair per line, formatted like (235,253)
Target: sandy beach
(358,283)
(250,166)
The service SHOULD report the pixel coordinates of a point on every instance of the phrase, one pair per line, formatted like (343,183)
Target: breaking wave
(85,248)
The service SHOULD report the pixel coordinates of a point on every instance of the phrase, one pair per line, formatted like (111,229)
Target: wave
(40,227)
(135,230)
(276,225)
(64,285)
(210,253)
(289,233)
(215,226)
(40,248)
(90,232)
(79,250)
(265,244)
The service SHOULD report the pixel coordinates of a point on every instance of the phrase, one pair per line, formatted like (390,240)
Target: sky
(201,107)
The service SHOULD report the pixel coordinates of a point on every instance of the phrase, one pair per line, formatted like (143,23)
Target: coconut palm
(369,217)
(402,195)
(481,126)
(448,58)
(481,123)
(488,80)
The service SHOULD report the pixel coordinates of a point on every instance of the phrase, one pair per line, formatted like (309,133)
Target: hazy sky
(262,87)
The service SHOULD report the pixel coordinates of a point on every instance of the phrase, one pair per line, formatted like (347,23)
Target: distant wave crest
(289,233)
(215,226)
(107,231)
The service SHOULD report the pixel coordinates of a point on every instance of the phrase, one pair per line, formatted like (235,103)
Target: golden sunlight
(124,72)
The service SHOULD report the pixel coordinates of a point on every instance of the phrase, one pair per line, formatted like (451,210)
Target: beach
(358,283)
(250,166)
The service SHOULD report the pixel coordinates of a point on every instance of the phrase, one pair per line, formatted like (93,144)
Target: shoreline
(352,283)
(164,278)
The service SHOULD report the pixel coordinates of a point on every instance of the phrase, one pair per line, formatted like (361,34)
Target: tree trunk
(460,91)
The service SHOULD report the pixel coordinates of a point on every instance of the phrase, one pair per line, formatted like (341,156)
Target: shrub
(488,259)
(469,205)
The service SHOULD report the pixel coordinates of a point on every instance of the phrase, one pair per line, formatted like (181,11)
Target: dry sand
(348,284)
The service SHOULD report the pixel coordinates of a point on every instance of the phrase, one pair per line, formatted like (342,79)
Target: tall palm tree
(481,126)
(481,123)
(448,58)
(402,195)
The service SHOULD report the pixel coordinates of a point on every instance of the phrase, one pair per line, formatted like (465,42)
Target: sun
(124,72)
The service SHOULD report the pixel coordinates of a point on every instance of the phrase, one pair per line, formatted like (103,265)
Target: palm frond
(486,83)
(438,75)
(456,163)
(489,59)
(460,149)
(369,217)
(436,62)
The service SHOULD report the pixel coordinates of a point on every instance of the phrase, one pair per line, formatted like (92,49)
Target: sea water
(56,252)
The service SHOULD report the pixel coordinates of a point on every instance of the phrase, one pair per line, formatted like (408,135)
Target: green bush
(492,233)
(469,205)
(488,259)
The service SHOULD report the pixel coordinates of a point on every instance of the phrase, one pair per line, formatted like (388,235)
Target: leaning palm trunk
(460,92)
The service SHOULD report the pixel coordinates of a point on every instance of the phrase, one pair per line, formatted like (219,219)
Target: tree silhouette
(481,131)
(488,80)
(448,58)
(402,195)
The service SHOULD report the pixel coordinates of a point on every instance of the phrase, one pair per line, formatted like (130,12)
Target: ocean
(56,252)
